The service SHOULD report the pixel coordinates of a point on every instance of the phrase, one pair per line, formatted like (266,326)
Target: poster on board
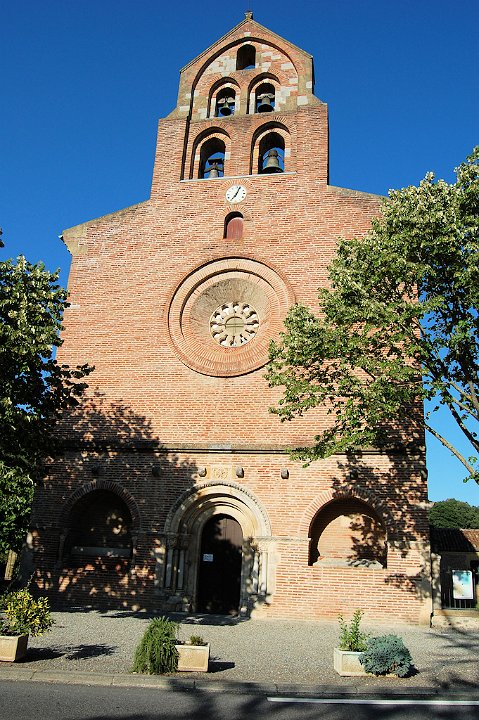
(462,588)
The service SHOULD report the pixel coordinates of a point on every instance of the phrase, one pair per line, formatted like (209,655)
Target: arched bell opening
(348,532)
(212,159)
(225,102)
(224,96)
(234,226)
(264,84)
(265,98)
(246,57)
(99,525)
(271,154)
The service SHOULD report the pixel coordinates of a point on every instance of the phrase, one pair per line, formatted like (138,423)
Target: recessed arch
(195,506)
(349,532)
(271,153)
(212,159)
(99,524)
(197,509)
(101,484)
(359,492)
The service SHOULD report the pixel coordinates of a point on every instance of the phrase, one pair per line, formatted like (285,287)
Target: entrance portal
(220,566)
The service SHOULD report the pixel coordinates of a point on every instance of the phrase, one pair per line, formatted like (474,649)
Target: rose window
(224,314)
(234,323)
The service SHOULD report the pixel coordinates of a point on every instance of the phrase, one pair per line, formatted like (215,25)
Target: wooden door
(220,566)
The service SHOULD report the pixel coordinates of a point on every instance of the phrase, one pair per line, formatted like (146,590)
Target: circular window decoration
(223,315)
(234,323)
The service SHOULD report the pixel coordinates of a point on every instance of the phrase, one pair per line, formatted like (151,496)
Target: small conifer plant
(387,655)
(156,653)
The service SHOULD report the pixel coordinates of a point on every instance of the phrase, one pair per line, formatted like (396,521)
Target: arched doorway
(199,520)
(219,572)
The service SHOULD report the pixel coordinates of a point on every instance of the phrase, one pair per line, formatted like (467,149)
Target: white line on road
(357,701)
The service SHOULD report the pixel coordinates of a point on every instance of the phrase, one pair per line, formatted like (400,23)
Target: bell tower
(175,302)
(245,103)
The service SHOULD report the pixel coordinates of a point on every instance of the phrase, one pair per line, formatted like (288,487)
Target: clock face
(236,193)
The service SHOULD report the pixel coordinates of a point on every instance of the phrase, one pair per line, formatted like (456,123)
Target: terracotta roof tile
(454,540)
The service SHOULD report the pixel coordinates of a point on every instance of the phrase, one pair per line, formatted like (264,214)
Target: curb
(251,688)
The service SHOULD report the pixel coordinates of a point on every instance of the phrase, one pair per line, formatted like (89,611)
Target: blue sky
(83,83)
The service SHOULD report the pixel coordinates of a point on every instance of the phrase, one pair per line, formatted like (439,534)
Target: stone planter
(13,647)
(346,663)
(193,658)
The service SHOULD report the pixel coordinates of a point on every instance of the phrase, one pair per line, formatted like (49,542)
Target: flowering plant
(21,614)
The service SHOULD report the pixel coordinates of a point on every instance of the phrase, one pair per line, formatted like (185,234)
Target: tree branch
(470,469)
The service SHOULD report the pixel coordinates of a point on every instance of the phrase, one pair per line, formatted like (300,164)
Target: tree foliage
(399,324)
(34,389)
(454,514)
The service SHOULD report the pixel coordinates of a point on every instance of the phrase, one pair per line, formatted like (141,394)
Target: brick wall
(167,405)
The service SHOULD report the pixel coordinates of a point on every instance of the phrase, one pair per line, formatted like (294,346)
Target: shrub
(387,654)
(23,615)
(350,636)
(197,640)
(156,653)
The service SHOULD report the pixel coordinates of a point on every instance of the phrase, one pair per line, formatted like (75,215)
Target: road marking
(357,701)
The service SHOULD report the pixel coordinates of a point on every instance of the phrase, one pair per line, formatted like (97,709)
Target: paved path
(285,655)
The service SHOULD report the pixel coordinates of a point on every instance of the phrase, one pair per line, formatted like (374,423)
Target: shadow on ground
(78,652)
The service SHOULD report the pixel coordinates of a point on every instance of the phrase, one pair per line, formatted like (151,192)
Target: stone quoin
(173,489)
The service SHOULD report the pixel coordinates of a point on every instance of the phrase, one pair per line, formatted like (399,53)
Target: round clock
(236,193)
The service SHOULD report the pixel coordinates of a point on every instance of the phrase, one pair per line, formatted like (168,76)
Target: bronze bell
(265,104)
(272,163)
(214,169)
(226,106)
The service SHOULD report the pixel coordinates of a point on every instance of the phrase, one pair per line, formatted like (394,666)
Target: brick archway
(100,484)
(183,531)
(356,493)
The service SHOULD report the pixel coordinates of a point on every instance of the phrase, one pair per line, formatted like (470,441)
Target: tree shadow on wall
(399,498)
(98,518)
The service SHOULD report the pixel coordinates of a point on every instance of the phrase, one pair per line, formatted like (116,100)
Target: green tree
(454,514)
(34,389)
(399,324)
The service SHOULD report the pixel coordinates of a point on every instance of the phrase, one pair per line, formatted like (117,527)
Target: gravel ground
(266,651)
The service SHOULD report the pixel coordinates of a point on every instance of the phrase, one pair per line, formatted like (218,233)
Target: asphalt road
(34,700)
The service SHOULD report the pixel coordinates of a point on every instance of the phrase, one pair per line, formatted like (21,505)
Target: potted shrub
(352,644)
(160,652)
(194,655)
(21,616)
(156,653)
(387,655)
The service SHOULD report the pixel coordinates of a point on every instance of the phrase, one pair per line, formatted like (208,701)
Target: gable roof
(454,540)
(251,24)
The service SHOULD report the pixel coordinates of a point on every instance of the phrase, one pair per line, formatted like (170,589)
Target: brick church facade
(173,489)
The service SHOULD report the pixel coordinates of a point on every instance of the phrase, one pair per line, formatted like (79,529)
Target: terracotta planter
(346,663)
(13,647)
(193,658)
